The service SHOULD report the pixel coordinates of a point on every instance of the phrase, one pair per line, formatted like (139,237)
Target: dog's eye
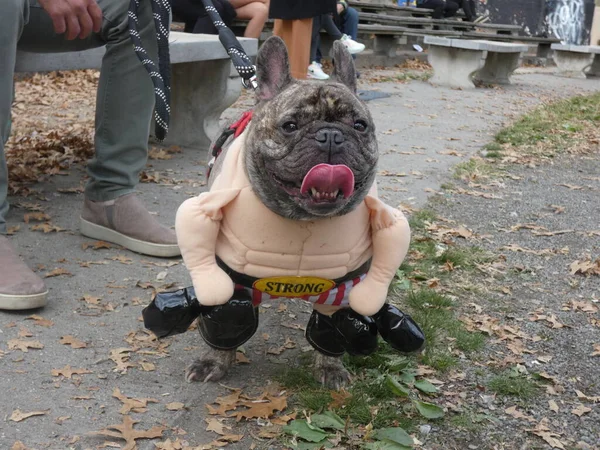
(290,127)
(360,125)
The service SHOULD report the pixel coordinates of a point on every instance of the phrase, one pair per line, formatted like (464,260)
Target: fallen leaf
(240,358)
(175,406)
(261,408)
(580,410)
(553,405)
(121,358)
(217,426)
(72,341)
(24,345)
(39,320)
(339,398)
(18,415)
(596,350)
(126,432)
(96,245)
(57,272)
(585,267)
(47,228)
(137,405)
(68,372)
(36,216)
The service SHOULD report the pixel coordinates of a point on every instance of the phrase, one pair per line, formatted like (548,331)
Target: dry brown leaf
(68,372)
(240,358)
(10,231)
(339,398)
(57,273)
(217,426)
(175,406)
(227,403)
(582,396)
(261,408)
(580,410)
(18,445)
(36,216)
(18,415)
(544,432)
(553,405)
(24,344)
(137,405)
(72,341)
(596,351)
(585,267)
(120,356)
(39,320)
(96,245)
(126,432)
(47,228)
(514,412)
(159,154)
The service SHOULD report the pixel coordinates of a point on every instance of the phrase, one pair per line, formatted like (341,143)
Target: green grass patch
(556,123)
(514,383)
(474,169)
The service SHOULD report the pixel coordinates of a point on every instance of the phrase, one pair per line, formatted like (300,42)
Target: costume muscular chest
(255,241)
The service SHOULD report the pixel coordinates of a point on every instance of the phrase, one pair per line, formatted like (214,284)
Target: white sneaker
(315,71)
(352,46)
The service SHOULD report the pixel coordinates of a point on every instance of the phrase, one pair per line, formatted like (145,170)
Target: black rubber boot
(398,329)
(226,327)
(344,331)
(172,312)
(321,334)
(355,332)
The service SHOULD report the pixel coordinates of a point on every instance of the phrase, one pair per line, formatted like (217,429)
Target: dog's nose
(329,139)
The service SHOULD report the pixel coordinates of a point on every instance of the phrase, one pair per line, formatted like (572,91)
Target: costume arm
(197,226)
(390,234)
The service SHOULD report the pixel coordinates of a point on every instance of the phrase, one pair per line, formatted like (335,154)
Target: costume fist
(368,296)
(212,285)
(76,18)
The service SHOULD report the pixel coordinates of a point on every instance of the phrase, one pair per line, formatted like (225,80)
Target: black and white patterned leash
(161,75)
(239,58)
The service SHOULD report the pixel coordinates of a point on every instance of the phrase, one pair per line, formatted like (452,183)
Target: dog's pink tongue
(328,178)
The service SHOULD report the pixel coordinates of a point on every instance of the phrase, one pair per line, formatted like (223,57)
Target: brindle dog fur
(282,146)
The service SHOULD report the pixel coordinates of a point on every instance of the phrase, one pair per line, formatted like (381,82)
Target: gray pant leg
(14,15)
(125,97)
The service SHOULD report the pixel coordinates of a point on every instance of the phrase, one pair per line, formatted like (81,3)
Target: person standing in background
(293,24)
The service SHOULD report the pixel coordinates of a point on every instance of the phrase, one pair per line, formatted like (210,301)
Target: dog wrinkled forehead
(313,101)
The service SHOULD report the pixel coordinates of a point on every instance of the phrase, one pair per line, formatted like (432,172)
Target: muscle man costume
(239,253)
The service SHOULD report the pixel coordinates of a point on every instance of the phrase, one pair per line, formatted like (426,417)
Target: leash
(161,75)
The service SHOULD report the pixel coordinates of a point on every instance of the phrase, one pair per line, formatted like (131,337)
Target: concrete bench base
(204,82)
(457,62)
(577,61)
(455,67)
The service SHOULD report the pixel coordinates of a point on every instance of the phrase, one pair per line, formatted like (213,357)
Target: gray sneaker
(20,288)
(126,222)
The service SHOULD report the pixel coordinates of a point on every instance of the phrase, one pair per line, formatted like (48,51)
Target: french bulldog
(292,211)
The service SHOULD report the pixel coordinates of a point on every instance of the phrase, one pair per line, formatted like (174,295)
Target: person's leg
(468,7)
(124,105)
(15,13)
(330,27)
(350,22)
(297,36)
(315,39)
(451,8)
(256,12)
(20,288)
(436,5)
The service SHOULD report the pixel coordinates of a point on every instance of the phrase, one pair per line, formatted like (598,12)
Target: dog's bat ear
(343,71)
(273,68)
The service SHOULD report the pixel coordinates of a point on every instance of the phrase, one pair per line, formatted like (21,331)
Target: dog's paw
(330,372)
(212,366)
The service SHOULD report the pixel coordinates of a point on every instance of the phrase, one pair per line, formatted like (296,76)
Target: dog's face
(311,151)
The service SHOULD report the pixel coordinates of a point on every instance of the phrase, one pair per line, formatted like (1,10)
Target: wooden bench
(578,61)
(456,62)
(428,23)
(203,82)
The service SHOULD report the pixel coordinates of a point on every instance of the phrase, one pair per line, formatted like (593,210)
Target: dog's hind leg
(330,371)
(213,365)
(224,328)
